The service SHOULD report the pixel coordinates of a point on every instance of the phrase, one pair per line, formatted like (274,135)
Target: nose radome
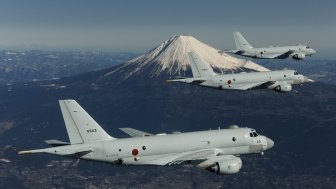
(270,143)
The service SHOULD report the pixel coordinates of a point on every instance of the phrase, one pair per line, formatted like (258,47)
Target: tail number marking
(91,130)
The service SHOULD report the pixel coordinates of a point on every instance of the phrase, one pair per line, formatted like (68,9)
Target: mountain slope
(171,58)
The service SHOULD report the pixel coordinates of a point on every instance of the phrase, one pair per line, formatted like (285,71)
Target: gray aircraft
(297,52)
(213,150)
(203,75)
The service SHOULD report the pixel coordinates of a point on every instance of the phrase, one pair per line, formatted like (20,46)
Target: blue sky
(137,26)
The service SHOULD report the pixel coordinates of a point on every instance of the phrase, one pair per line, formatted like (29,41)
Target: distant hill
(25,66)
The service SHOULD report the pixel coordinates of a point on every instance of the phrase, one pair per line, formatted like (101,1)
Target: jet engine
(230,166)
(299,56)
(283,88)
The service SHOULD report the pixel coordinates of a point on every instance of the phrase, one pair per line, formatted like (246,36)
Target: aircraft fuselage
(151,149)
(244,81)
(296,52)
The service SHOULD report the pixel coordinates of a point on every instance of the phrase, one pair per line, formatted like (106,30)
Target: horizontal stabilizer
(180,77)
(188,80)
(197,82)
(55,143)
(63,150)
(238,52)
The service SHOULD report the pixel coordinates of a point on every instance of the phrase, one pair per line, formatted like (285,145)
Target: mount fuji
(170,58)
(134,94)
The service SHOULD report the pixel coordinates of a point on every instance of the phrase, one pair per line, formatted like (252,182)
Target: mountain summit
(171,58)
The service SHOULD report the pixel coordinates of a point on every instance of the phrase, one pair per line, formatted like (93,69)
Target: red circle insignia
(135,152)
(229,82)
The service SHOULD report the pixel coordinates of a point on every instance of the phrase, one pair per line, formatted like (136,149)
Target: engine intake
(230,166)
(299,56)
(283,88)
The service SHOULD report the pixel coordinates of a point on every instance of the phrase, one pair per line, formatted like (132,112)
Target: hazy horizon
(132,26)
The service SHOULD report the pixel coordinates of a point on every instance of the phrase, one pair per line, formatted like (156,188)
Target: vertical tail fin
(199,67)
(241,43)
(81,127)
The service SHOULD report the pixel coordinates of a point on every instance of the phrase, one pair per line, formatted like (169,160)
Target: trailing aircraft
(297,52)
(213,150)
(203,75)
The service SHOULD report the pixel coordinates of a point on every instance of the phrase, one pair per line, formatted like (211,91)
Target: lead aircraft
(213,150)
(297,52)
(203,75)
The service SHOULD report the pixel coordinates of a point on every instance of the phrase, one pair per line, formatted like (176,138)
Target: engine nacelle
(299,56)
(283,88)
(230,166)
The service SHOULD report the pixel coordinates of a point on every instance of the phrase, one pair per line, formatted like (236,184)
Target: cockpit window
(296,73)
(307,47)
(253,134)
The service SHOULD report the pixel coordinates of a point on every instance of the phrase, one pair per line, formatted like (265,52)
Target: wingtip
(24,152)
(307,80)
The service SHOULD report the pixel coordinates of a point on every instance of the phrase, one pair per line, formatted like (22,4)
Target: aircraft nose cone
(270,143)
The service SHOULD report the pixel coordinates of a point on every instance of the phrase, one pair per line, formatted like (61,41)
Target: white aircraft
(213,150)
(203,75)
(297,52)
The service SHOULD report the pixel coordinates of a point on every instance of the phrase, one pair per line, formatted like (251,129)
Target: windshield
(253,134)
(296,73)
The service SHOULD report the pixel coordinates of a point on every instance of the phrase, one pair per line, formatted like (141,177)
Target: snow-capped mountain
(171,58)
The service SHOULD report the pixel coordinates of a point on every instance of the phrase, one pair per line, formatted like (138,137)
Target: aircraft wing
(279,56)
(191,157)
(254,85)
(135,133)
(201,158)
